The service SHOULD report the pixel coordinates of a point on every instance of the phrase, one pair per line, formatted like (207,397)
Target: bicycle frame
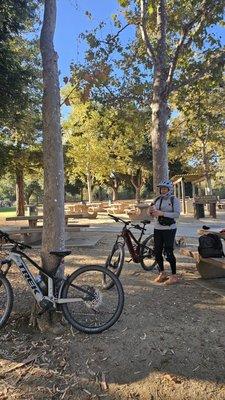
(16,256)
(134,250)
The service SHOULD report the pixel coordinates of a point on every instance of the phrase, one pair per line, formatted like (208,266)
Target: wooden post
(175,190)
(183,196)
(212,210)
(178,186)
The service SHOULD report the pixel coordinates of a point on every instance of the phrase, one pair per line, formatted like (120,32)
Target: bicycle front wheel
(114,263)
(90,308)
(6,300)
(147,254)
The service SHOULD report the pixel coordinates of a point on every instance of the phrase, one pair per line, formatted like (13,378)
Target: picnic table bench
(142,211)
(208,268)
(221,204)
(33,220)
(138,211)
(33,235)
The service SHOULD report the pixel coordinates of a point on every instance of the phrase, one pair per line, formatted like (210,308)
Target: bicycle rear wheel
(90,308)
(6,300)
(114,263)
(147,254)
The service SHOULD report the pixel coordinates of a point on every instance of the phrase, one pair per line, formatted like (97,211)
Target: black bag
(210,246)
(166,221)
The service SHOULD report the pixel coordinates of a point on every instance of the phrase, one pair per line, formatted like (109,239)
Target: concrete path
(187,225)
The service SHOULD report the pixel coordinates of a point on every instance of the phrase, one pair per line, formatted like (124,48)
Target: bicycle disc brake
(93,299)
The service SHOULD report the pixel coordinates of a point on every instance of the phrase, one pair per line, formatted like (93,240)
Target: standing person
(165,208)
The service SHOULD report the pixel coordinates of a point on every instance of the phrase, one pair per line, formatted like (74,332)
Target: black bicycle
(81,297)
(141,251)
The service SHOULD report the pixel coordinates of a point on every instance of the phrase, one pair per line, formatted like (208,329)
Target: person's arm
(176,207)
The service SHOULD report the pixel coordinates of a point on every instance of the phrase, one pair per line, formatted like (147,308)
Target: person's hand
(157,213)
(151,209)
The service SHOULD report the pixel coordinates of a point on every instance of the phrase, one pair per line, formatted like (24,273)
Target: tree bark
(53,237)
(20,209)
(160,113)
(206,167)
(82,194)
(115,193)
(89,187)
(114,184)
(137,183)
(159,105)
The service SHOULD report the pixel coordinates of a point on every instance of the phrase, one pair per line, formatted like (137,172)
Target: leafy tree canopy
(197,134)
(17,57)
(103,140)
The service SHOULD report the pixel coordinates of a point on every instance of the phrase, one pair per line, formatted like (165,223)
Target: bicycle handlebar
(7,238)
(138,227)
(118,219)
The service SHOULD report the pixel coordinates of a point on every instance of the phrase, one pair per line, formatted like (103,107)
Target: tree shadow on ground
(167,344)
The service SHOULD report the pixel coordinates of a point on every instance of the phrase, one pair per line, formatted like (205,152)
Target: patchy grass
(7,212)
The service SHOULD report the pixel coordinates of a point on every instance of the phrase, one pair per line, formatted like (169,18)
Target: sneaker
(161,278)
(173,279)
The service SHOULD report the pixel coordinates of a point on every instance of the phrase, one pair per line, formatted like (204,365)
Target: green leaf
(150,9)
(124,3)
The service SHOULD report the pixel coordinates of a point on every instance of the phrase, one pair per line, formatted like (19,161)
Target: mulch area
(168,343)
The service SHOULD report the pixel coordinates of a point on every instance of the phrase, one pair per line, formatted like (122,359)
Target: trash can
(32,209)
(199,211)
(212,210)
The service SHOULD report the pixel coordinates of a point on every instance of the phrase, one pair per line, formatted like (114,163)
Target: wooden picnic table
(143,211)
(33,220)
(77,208)
(33,235)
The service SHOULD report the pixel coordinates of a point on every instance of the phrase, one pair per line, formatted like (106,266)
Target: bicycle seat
(146,221)
(60,253)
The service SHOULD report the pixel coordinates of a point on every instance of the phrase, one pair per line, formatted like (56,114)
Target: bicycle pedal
(40,313)
(128,261)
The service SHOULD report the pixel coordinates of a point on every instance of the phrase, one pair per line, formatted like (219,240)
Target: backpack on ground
(210,246)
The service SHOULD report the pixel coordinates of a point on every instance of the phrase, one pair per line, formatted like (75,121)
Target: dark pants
(164,241)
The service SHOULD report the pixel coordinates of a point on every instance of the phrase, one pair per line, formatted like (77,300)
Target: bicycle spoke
(6,300)
(98,308)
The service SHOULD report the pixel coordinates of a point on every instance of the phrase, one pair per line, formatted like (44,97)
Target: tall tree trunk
(208,189)
(53,237)
(89,187)
(160,114)
(20,209)
(114,184)
(137,183)
(115,193)
(82,194)
(159,105)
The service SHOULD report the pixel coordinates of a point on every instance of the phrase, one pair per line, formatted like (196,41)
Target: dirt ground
(168,343)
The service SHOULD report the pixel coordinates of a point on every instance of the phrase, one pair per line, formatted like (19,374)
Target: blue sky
(71,21)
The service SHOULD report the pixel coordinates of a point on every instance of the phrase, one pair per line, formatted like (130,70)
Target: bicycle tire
(5,287)
(114,263)
(148,261)
(88,304)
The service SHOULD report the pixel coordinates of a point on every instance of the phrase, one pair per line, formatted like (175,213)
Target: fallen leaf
(173,378)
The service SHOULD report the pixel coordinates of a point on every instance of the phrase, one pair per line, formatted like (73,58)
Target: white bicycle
(81,296)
